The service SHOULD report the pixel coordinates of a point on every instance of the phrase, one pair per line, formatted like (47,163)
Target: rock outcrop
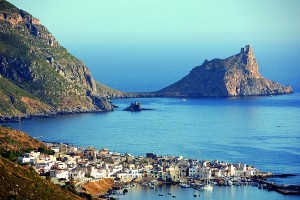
(40,77)
(136,107)
(234,76)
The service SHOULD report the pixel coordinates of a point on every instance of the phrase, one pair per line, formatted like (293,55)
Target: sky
(146,45)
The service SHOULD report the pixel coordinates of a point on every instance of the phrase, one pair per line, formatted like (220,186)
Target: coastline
(128,171)
(17,119)
(128,95)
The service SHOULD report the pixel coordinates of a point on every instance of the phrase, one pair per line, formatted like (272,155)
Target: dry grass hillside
(21,182)
(99,187)
(11,139)
(18,182)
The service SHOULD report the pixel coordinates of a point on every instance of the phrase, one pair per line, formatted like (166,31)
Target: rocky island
(234,76)
(136,107)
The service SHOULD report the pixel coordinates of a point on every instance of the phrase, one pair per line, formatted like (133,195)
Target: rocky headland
(234,76)
(39,77)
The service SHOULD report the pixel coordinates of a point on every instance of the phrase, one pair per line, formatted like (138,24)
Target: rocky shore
(6,119)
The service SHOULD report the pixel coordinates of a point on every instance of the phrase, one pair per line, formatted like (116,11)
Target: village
(70,163)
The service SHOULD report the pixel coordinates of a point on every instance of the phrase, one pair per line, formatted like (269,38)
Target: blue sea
(218,193)
(259,131)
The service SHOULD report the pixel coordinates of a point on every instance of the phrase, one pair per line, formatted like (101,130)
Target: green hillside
(35,66)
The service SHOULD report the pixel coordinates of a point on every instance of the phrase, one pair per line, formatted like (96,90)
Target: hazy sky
(160,20)
(165,34)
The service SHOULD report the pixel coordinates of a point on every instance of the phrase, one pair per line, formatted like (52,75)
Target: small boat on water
(174,196)
(196,195)
(161,195)
(230,183)
(152,187)
(184,185)
(169,193)
(207,187)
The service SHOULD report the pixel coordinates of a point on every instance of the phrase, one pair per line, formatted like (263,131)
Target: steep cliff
(38,76)
(234,76)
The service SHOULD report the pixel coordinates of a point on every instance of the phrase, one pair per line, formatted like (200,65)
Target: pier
(283,189)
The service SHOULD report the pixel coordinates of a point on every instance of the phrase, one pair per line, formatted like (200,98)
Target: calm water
(218,193)
(260,131)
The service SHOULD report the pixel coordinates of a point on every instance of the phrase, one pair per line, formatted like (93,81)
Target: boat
(174,196)
(184,185)
(229,183)
(207,186)
(151,186)
(161,195)
(196,195)
(169,193)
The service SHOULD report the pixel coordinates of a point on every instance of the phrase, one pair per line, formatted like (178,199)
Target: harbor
(79,166)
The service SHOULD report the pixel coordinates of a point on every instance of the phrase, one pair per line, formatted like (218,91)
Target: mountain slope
(234,76)
(19,182)
(22,183)
(40,77)
(14,140)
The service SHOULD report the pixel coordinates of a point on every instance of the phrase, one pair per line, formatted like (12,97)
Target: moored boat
(207,187)
(196,195)
(184,185)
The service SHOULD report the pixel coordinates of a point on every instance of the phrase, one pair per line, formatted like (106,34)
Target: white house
(29,157)
(55,149)
(98,174)
(193,170)
(135,173)
(123,175)
(251,171)
(76,175)
(59,173)
(217,173)
(60,165)
(117,168)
